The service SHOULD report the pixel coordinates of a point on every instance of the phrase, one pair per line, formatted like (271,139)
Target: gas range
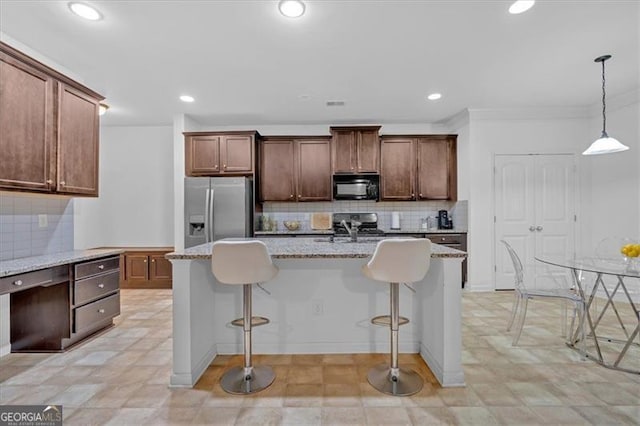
(368,223)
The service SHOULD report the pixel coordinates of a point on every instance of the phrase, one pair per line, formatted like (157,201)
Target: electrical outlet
(43,222)
(317,307)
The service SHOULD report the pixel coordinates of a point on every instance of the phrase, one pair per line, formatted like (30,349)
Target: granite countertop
(28,264)
(388,231)
(305,248)
(425,231)
(297,232)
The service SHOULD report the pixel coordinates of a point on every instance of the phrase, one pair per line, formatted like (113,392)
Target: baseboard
(478,287)
(446,379)
(187,380)
(318,348)
(5,350)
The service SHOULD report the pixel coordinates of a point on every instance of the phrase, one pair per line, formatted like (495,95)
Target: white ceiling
(247,65)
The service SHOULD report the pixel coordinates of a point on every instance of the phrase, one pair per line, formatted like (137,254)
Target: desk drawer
(95,287)
(24,281)
(445,239)
(100,266)
(96,312)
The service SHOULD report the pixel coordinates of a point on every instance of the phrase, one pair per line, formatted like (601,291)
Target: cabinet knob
(100,285)
(291,196)
(145,261)
(299,196)
(420,195)
(532,228)
(413,195)
(153,260)
(101,311)
(352,168)
(224,166)
(62,183)
(100,267)
(215,167)
(538,228)
(49,181)
(17,282)
(442,239)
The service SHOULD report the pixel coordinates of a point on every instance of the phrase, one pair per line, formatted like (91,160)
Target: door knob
(538,228)
(532,228)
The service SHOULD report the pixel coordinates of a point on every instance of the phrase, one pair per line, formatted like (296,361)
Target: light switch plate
(43,222)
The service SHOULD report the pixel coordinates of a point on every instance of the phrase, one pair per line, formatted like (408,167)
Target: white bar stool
(402,260)
(243,262)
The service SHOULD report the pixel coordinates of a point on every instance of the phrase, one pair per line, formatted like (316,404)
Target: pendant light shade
(606,144)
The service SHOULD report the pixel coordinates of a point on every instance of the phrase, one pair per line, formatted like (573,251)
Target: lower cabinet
(54,308)
(146,268)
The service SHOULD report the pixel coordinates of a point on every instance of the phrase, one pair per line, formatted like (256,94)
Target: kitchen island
(318,303)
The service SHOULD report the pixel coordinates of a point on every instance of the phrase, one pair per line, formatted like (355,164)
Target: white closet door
(534,212)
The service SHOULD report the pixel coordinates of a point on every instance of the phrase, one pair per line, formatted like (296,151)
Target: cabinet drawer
(100,266)
(32,279)
(95,287)
(96,312)
(445,239)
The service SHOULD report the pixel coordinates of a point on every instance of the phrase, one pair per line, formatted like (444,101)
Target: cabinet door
(368,151)
(160,268)
(237,154)
(436,170)
(78,128)
(137,267)
(27,159)
(314,170)
(202,155)
(276,171)
(343,151)
(398,168)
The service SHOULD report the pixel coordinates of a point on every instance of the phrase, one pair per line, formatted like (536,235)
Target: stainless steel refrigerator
(216,208)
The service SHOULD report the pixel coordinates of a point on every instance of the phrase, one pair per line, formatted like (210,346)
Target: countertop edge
(29,264)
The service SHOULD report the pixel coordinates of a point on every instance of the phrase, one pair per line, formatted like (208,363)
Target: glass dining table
(611,293)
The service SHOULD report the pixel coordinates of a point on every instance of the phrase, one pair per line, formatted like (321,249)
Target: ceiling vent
(335,103)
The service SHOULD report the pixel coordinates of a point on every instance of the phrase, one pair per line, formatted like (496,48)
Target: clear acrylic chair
(523,294)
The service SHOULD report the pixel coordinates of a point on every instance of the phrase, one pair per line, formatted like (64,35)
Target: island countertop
(318,247)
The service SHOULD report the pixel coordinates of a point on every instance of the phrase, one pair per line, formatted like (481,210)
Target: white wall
(615,178)
(490,136)
(136,204)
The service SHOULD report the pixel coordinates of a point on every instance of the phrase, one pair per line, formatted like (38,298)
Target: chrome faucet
(353,230)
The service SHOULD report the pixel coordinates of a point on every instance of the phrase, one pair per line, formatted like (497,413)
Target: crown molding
(616,102)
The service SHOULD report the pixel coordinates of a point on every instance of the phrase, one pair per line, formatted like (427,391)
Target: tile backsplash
(32,225)
(411,212)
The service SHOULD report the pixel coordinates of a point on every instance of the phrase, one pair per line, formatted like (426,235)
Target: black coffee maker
(444,222)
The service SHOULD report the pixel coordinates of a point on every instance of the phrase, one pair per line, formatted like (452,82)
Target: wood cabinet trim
(7,49)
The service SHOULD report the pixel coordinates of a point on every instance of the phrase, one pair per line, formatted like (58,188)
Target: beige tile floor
(121,377)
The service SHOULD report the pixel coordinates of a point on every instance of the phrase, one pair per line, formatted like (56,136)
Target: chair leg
(520,325)
(391,379)
(514,309)
(247,379)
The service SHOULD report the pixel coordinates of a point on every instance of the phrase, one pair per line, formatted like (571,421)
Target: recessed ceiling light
(187,98)
(102,109)
(291,8)
(434,96)
(335,103)
(521,6)
(85,11)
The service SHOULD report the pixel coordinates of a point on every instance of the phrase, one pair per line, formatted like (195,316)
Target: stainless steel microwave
(356,187)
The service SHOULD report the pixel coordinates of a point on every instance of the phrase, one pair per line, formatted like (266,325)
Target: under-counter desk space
(51,302)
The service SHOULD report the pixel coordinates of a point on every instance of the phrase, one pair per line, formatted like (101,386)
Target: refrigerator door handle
(212,227)
(207,224)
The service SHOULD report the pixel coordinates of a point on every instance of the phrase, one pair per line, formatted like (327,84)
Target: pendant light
(606,144)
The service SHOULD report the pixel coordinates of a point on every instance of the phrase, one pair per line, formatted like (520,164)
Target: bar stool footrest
(255,321)
(385,320)
(408,381)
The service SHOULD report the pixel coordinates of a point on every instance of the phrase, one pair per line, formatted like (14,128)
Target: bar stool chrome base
(235,382)
(407,381)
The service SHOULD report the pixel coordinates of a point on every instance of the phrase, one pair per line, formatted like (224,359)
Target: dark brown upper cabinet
(220,153)
(355,149)
(295,169)
(49,129)
(421,167)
